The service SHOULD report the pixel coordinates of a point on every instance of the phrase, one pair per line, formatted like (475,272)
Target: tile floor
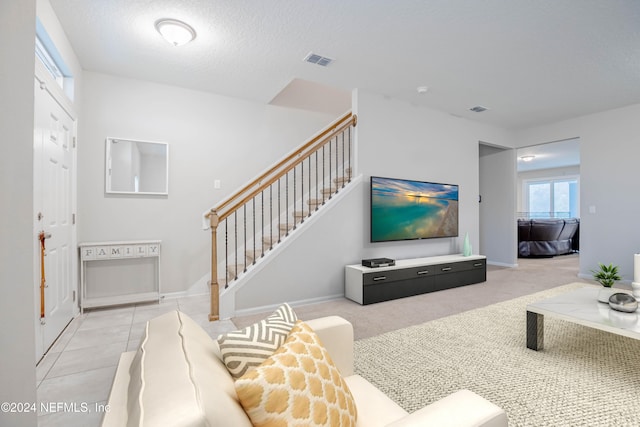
(75,376)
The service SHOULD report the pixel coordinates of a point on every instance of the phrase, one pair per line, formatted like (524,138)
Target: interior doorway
(548,198)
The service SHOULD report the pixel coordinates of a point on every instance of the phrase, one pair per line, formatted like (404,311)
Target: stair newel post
(215,293)
(353,125)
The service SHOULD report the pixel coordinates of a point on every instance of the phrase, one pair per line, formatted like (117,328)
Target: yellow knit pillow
(297,386)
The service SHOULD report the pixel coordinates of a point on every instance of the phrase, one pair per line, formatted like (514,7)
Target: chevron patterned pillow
(247,348)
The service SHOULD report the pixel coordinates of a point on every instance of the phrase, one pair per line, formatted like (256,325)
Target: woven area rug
(583,377)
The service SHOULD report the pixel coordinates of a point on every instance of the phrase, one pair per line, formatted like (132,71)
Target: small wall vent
(313,58)
(478,109)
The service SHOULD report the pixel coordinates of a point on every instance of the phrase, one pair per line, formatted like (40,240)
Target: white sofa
(177,378)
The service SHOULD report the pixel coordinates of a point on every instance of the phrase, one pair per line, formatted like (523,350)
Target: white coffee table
(579,306)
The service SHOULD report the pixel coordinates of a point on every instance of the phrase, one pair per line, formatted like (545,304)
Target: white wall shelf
(115,273)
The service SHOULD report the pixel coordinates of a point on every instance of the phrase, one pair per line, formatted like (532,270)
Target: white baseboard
(590,277)
(272,307)
(501,264)
(201,287)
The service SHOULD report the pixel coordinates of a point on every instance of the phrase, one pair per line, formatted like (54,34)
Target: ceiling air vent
(478,109)
(317,59)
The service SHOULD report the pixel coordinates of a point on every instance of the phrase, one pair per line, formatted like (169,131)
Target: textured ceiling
(529,62)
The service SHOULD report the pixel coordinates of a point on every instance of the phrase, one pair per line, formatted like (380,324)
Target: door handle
(42,236)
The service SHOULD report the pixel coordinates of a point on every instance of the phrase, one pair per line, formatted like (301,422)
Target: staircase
(251,223)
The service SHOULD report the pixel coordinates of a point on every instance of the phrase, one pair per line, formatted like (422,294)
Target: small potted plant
(606,275)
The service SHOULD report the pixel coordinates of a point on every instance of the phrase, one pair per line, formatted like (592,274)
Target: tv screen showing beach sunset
(403,209)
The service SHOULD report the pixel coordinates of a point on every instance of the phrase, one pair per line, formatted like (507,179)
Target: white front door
(54,200)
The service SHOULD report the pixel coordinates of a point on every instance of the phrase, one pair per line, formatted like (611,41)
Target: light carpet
(583,377)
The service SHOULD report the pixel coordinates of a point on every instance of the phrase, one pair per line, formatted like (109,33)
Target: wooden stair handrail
(315,143)
(275,173)
(275,178)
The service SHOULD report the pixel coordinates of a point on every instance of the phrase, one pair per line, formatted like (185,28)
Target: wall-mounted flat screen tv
(402,209)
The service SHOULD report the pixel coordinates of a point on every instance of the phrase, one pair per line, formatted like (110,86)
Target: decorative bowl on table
(623,302)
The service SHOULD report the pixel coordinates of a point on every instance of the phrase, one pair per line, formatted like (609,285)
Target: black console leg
(535,331)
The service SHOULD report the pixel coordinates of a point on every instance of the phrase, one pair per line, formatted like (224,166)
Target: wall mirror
(137,167)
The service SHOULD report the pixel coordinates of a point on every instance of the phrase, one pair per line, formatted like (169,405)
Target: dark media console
(410,277)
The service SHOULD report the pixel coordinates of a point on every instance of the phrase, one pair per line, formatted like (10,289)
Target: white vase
(605,293)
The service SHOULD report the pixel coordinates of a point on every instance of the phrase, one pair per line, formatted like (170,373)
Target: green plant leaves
(606,275)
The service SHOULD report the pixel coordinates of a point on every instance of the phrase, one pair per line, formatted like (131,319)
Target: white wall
(17,310)
(210,137)
(394,139)
(498,239)
(609,153)
(399,140)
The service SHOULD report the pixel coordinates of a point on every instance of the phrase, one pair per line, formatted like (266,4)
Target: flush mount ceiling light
(175,32)
(422,90)
(527,158)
